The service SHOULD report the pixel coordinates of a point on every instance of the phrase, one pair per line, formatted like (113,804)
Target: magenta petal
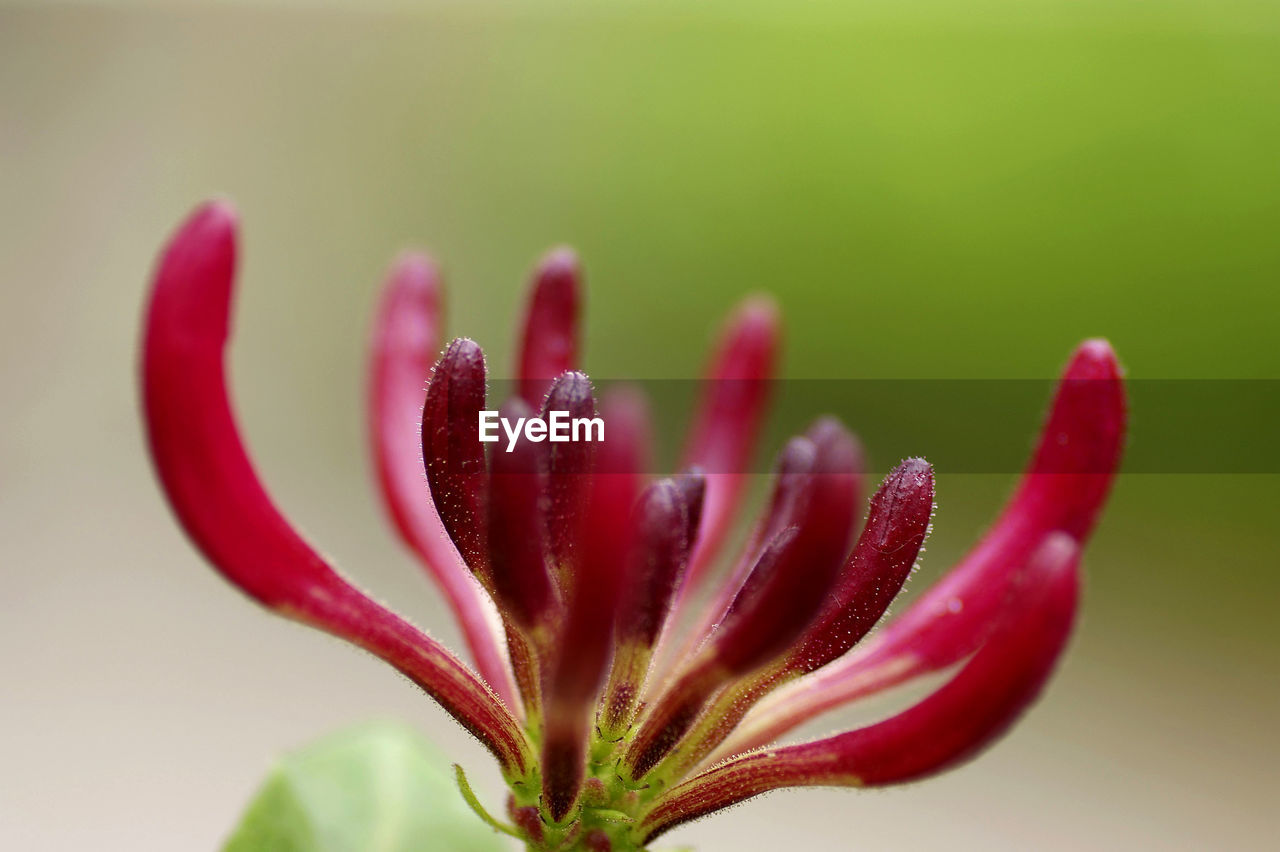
(517,527)
(584,650)
(729,418)
(1064,488)
(693,492)
(452,451)
(874,574)
(549,345)
(790,583)
(222,505)
(568,472)
(950,726)
(405,341)
(665,521)
(779,600)
(790,480)
(730,415)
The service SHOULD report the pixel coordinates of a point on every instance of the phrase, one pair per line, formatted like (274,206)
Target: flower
(567,570)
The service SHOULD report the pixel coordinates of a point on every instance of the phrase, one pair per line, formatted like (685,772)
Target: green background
(930,189)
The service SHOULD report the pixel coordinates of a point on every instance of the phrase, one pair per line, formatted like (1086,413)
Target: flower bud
(516,528)
(451,449)
(948,727)
(584,645)
(568,474)
(549,345)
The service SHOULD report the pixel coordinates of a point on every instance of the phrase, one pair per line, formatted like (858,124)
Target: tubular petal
(693,491)
(874,573)
(790,478)
(584,649)
(793,492)
(220,502)
(405,341)
(549,345)
(452,451)
(516,528)
(661,555)
(1063,489)
(666,521)
(950,726)
(568,473)
(779,600)
(729,418)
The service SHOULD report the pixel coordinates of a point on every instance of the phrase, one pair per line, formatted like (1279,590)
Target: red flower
(566,568)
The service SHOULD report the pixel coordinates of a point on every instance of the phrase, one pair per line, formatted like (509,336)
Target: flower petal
(405,341)
(223,507)
(876,571)
(872,576)
(666,521)
(774,606)
(584,650)
(779,600)
(549,344)
(950,726)
(1064,488)
(791,491)
(790,477)
(568,473)
(517,527)
(452,451)
(729,418)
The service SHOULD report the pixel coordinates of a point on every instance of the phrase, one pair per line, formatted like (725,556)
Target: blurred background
(935,189)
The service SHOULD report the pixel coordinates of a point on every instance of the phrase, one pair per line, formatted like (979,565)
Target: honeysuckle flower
(567,568)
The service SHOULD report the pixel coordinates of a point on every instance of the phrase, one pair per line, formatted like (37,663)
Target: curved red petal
(452,451)
(663,520)
(872,576)
(217,497)
(881,561)
(790,479)
(517,527)
(779,600)
(1064,488)
(549,343)
(583,651)
(666,521)
(735,395)
(776,605)
(950,726)
(729,418)
(568,473)
(405,341)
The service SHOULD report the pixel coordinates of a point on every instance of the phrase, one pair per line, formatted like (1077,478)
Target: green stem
(470,797)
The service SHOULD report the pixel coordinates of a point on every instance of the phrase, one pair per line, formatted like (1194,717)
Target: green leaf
(373,788)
